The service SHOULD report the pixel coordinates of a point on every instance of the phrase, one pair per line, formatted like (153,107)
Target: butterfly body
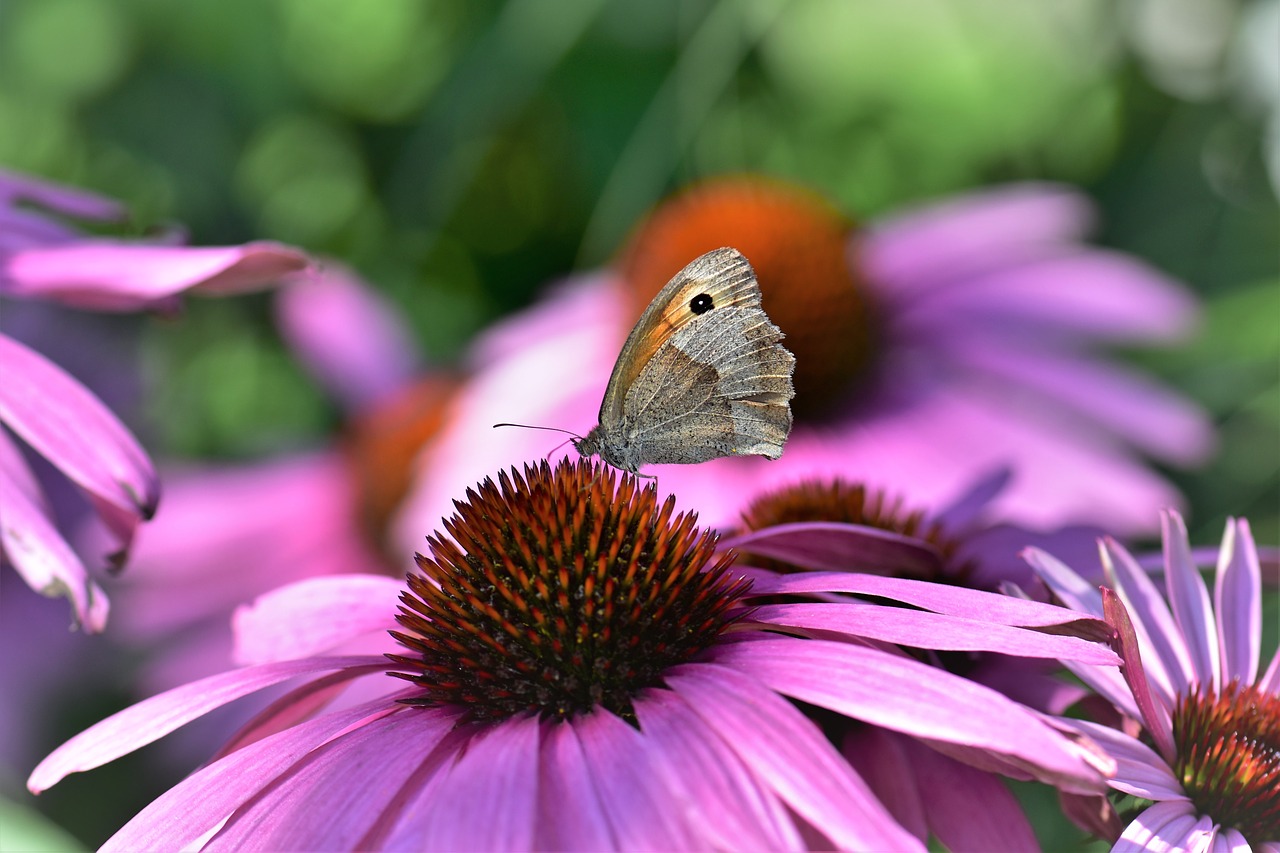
(701,376)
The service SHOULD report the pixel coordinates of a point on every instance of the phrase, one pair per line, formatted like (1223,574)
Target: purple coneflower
(1208,755)
(930,348)
(42,258)
(578,668)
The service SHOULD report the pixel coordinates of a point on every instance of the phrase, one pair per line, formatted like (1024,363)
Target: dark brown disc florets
(560,591)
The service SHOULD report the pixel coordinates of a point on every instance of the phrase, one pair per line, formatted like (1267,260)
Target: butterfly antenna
(528,426)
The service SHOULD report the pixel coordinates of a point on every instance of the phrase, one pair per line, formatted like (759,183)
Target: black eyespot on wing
(702,303)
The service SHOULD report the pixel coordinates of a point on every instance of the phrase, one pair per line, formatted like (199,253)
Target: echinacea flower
(576,668)
(835,525)
(42,258)
(1208,758)
(930,348)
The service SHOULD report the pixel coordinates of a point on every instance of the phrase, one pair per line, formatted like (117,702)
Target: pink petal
(313,616)
(1074,591)
(830,546)
(916,249)
(1163,828)
(924,630)
(880,757)
(642,812)
(784,748)
(350,338)
(1155,711)
(488,799)
(913,698)
(566,778)
(1139,770)
(334,796)
(196,804)
(1189,598)
(1270,681)
(1165,650)
(940,598)
(734,812)
(151,719)
(67,425)
(1238,602)
(967,508)
(32,544)
(112,276)
(968,809)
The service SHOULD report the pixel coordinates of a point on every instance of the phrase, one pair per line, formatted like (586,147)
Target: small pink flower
(577,668)
(40,257)
(930,348)
(1208,758)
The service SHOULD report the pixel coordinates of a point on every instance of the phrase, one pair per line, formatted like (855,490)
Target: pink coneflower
(576,668)
(1208,754)
(42,258)
(930,348)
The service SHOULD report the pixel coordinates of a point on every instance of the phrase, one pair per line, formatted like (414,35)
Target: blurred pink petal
(112,276)
(352,340)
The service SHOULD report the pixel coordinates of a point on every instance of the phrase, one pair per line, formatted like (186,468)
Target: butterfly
(701,376)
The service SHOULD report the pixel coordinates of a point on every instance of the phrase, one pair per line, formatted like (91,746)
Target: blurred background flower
(459,156)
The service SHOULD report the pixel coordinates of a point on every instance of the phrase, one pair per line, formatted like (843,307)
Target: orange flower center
(800,249)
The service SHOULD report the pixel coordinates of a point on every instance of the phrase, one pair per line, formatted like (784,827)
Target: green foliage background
(461,154)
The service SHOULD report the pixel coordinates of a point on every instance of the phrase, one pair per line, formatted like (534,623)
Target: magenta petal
(830,546)
(733,811)
(642,811)
(1074,591)
(925,630)
(334,796)
(914,698)
(969,809)
(1155,710)
(783,747)
(67,425)
(352,341)
(1167,826)
(196,804)
(313,616)
(151,719)
(566,778)
(1165,653)
(1238,602)
(940,598)
(15,187)
(1189,600)
(110,276)
(880,757)
(1139,770)
(32,544)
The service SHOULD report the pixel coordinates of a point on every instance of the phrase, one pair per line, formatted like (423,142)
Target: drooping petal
(780,745)
(196,804)
(16,187)
(153,718)
(32,544)
(350,339)
(1237,598)
(925,630)
(67,425)
(105,275)
(332,797)
(914,698)
(1165,653)
(643,813)
(566,778)
(1189,599)
(734,811)
(830,546)
(313,616)
(489,798)
(880,757)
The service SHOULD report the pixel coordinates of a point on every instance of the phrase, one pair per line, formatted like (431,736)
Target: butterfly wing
(719,386)
(723,276)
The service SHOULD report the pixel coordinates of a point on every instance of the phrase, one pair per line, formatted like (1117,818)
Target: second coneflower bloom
(576,667)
